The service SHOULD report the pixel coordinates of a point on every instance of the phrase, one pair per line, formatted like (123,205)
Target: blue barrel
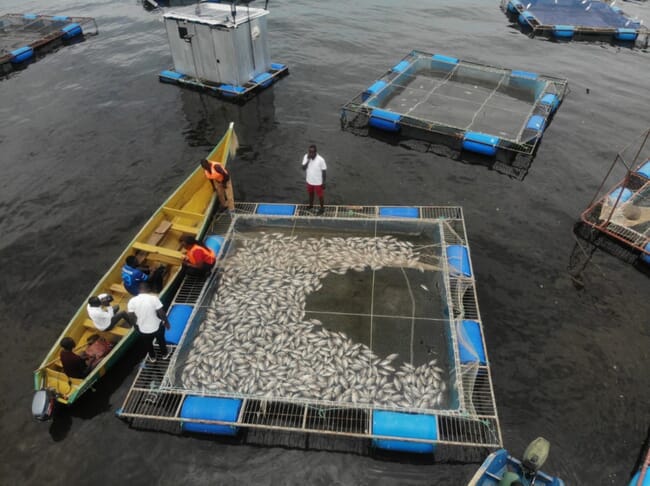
(407,425)
(264,80)
(385,120)
(61,18)
(525,18)
(514,5)
(563,31)
(536,122)
(550,100)
(214,242)
(480,143)
(210,408)
(21,55)
(627,35)
(230,91)
(458,259)
(170,76)
(399,212)
(613,196)
(375,88)
(470,343)
(30,16)
(523,74)
(644,170)
(278,66)
(443,63)
(178,315)
(71,30)
(646,256)
(401,67)
(276,209)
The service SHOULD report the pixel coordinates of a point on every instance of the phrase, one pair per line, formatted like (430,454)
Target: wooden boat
(187,211)
(501,469)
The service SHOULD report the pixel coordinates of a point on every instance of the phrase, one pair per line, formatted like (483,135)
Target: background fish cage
(468,419)
(576,20)
(472,100)
(617,219)
(24,36)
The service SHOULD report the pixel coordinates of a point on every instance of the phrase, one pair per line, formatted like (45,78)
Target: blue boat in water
(501,469)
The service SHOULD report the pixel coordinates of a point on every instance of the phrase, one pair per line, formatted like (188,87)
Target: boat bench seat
(61,376)
(118,288)
(162,254)
(117,330)
(190,230)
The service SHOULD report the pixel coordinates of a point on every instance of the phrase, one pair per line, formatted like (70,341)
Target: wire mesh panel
(317,322)
(620,209)
(426,95)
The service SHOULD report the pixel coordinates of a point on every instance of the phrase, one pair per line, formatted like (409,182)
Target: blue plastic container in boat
(407,425)
(276,209)
(210,408)
(385,120)
(178,315)
(470,343)
(214,242)
(398,212)
(458,260)
(480,143)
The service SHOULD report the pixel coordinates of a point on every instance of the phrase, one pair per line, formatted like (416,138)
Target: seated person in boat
(74,365)
(133,273)
(220,178)
(199,259)
(103,315)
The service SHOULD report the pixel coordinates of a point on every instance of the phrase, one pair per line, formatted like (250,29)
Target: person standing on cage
(315,171)
(221,181)
(146,310)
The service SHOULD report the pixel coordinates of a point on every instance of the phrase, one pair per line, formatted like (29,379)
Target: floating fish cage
(469,106)
(576,19)
(618,218)
(220,49)
(23,37)
(362,322)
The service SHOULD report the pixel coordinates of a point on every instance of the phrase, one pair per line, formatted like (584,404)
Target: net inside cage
(339,312)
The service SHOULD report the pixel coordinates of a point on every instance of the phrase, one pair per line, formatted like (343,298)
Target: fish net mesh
(621,207)
(334,312)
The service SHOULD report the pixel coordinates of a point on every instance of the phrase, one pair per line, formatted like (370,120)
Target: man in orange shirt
(221,182)
(199,259)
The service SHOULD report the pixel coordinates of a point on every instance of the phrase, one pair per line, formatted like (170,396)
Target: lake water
(92,143)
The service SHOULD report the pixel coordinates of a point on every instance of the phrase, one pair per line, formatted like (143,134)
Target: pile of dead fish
(255,340)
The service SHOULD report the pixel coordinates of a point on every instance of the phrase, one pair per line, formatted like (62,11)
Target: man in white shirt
(149,316)
(103,315)
(315,169)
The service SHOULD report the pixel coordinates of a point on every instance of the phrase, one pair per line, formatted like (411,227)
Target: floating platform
(228,91)
(362,322)
(24,37)
(468,106)
(576,20)
(621,214)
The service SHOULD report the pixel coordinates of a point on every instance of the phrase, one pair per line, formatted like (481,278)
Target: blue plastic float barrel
(278,66)
(71,30)
(563,31)
(646,256)
(406,425)
(550,100)
(399,212)
(30,16)
(21,55)
(61,18)
(443,63)
(626,34)
(170,76)
(470,343)
(401,67)
(525,18)
(276,209)
(514,5)
(264,80)
(178,315)
(385,120)
(210,408)
(458,259)
(375,88)
(644,170)
(536,122)
(613,196)
(480,143)
(523,74)
(230,91)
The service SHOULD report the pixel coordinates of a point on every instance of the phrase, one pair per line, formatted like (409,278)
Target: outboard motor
(43,404)
(535,455)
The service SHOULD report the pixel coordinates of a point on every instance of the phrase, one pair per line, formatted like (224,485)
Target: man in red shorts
(315,169)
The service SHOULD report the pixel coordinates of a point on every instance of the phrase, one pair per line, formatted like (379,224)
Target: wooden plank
(183,214)
(159,233)
(159,250)
(185,229)
(118,288)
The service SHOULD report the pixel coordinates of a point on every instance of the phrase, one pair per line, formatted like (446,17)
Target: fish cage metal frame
(605,223)
(152,402)
(23,36)
(357,114)
(519,14)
